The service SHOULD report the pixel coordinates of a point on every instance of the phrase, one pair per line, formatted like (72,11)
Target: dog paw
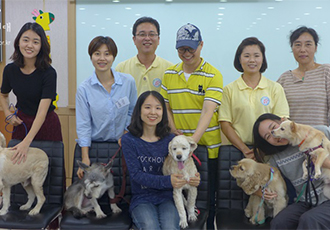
(24,207)
(100,216)
(192,218)
(317,176)
(116,210)
(253,220)
(247,213)
(34,212)
(183,223)
(3,212)
(305,175)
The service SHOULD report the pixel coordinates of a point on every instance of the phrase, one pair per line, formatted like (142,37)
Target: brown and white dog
(252,176)
(31,174)
(179,161)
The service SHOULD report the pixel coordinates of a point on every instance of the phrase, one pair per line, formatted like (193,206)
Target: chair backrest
(103,152)
(203,189)
(55,181)
(229,195)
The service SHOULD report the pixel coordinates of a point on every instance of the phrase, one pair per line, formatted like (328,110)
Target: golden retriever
(252,176)
(179,161)
(310,140)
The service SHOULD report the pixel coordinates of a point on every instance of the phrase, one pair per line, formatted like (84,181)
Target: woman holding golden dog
(145,147)
(307,87)
(33,80)
(249,96)
(289,160)
(104,101)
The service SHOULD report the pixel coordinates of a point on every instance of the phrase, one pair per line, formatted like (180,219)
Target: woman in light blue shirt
(105,101)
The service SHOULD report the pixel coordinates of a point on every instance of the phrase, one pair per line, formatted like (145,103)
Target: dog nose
(179,157)
(272,132)
(232,167)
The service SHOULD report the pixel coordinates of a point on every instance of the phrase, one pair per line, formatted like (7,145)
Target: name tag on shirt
(122,102)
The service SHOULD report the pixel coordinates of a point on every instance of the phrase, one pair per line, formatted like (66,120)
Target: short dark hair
(136,126)
(100,40)
(248,42)
(43,60)
(303,29)
(144,20)
(261,147)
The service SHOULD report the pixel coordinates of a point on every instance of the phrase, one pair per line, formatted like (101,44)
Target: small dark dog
(81,197)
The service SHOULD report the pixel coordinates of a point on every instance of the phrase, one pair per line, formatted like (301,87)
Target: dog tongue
(180,165)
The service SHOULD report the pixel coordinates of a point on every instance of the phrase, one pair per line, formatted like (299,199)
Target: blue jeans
(163,216)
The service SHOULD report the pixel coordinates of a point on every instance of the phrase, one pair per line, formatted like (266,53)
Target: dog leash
(263,197)
(9,117)
(308,195)
(196,158)
(121,193)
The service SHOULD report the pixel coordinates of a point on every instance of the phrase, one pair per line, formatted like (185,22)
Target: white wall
(240,20)
(18,12)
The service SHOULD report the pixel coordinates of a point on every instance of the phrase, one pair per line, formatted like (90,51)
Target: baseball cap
(188,35)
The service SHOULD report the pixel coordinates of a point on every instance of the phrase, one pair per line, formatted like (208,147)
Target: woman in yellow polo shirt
(251,95)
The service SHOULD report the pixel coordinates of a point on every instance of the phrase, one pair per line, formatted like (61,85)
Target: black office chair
(102,152)
(231,200)
(53,190)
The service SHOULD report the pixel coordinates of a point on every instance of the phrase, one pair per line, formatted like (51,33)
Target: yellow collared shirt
(145,79)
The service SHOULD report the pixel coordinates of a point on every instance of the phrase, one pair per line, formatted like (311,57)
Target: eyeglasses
(182,50)
(144,35)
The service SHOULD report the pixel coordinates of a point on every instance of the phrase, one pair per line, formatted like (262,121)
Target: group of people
(146,100)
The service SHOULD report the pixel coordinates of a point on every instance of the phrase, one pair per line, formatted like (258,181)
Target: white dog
(179,161)
(31,174)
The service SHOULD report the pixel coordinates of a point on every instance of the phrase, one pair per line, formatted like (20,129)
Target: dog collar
(302,142)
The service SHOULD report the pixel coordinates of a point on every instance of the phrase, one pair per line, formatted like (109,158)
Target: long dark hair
(136,126)
(43,59)
(261,147)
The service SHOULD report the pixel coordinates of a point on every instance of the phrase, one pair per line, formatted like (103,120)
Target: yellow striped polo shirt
(186,100)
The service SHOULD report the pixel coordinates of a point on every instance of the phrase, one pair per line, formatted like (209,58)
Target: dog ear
(170,146)
(109,165)
(293,127)
(82,165)
(251,184)
(192,143)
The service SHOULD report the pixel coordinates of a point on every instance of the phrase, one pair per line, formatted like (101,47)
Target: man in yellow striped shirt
(192,91)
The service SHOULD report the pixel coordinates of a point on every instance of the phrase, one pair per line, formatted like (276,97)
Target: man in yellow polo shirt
(146,67)
(192,91)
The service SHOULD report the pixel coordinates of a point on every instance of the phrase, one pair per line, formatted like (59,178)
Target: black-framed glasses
(182,50)
(144,35)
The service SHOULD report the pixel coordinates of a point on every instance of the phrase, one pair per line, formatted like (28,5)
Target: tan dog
(179,161)
(309,139)
(31,174)
(252,176)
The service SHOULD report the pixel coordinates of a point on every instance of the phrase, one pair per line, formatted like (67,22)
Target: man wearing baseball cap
(192,91)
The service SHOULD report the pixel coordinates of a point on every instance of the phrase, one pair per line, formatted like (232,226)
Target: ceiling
(169,1)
